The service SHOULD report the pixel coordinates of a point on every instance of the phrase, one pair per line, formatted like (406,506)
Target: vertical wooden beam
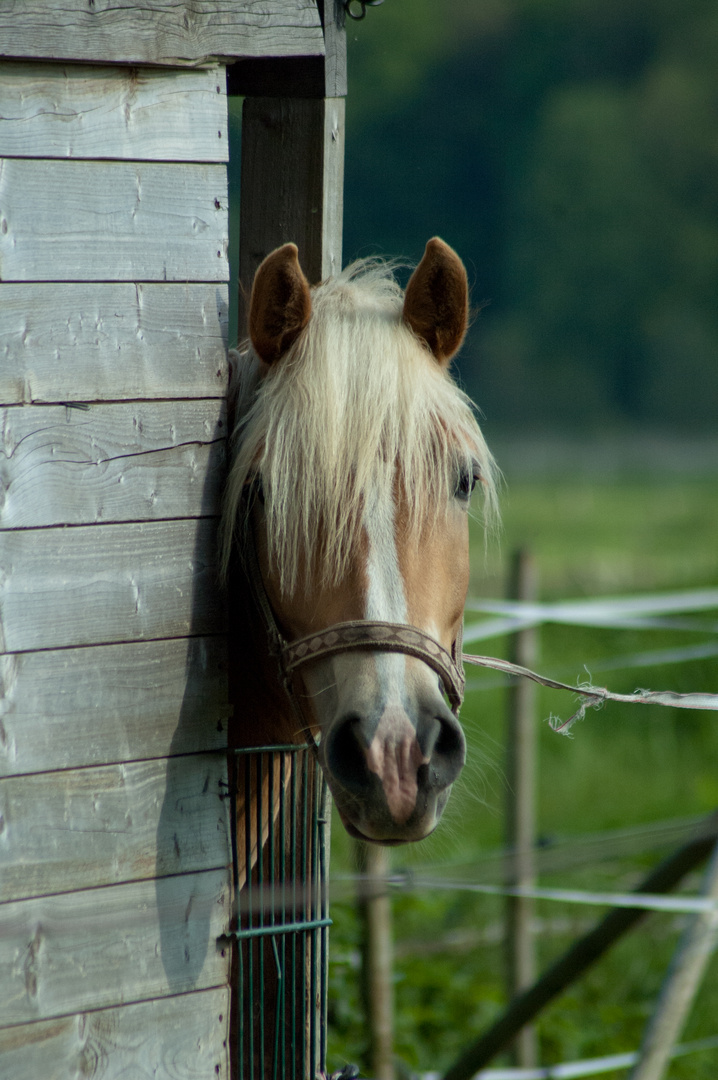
(520,823)
(292,184)
(293,158)
(292,168)
(292,177)
(377,957)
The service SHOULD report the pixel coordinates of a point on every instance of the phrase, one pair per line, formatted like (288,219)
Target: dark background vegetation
(568,149)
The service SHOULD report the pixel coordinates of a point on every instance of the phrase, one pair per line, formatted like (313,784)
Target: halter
(358,634)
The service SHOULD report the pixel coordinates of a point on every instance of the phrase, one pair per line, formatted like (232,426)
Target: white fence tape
(623,612)
(704,650)
(571,1070)
(680,905)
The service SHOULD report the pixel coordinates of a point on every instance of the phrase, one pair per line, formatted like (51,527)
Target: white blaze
(385,598)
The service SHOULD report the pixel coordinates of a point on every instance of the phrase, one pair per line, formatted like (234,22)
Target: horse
(354,457)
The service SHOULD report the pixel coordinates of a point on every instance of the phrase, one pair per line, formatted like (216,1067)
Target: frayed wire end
(563,727)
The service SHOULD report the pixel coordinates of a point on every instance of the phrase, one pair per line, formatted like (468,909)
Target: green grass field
(624,767)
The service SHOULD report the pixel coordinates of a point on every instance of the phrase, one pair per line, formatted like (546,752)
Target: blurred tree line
(568,149)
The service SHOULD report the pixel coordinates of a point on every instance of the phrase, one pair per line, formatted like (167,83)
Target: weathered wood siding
(160,31)
(60,220)
(114,845)
(137,941)
(69,708)
(54,111)
(134,341)
(126,1042)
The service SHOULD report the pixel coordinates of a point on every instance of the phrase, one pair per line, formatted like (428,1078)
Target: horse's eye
(468,478)
(258,488)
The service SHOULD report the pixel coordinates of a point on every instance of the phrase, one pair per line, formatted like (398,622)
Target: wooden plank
(106,947)
(157,698)
(292,182)
(94,585)
(176,1038)
(77,342)
(141,114)
(112,221)
(145,461)
(160,31)
(80,828)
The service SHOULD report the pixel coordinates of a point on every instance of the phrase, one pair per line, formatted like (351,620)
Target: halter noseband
(358,634)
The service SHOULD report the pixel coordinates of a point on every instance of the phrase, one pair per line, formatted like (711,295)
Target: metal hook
(356,9)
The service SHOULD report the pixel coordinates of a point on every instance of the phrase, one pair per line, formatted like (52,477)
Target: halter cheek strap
(357,635)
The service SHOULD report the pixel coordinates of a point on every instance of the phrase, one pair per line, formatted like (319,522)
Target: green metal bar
(282,883)
(240,1025)
(277,1012)
(258,761)
(303,867)
(271,815)
(323,823)
(293,940)
(248,886)
(313,934)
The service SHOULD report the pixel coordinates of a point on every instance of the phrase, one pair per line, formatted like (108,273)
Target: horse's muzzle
(391,779)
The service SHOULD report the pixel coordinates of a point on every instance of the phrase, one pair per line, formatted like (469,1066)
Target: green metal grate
(280,855)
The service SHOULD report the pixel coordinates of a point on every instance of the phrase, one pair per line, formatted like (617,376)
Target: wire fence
(686,611)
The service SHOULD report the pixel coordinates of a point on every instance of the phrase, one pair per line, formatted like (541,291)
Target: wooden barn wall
(113,672)
(160,31)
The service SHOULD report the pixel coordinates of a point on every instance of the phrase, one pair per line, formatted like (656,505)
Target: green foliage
(569,150)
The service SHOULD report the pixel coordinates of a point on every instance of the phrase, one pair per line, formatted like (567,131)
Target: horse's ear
(280,305)
(436,304)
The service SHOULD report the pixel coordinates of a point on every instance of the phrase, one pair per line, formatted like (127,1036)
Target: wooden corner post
(520,817)
(291,190)
(293,156)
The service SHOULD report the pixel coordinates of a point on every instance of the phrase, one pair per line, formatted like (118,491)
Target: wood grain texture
(90,342)
(80,828)
(292,183)
(101,584)
(176,1038)
(159,31)
(106,947)
(142,114)
(66,708)
(112,221)
(145,461)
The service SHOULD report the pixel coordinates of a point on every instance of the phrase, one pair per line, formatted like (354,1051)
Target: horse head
(355,459)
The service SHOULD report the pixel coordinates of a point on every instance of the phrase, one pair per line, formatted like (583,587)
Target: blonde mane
(357,405)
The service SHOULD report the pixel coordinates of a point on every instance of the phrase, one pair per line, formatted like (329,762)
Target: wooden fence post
(520,811)
(682,982)
(377,957)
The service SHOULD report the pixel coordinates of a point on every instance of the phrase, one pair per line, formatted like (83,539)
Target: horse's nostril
(451,739)
(449,752)
(344,753)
